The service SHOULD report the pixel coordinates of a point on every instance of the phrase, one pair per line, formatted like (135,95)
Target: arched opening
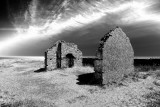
(70,60)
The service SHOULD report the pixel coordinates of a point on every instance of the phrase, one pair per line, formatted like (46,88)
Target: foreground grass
(153,99)
(59,88)
(28,103)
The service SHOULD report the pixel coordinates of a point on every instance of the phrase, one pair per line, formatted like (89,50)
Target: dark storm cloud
(146,45)
(5,25)
(141,29)
(87,39)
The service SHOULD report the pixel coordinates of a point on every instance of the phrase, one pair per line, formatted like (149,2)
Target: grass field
(22,86)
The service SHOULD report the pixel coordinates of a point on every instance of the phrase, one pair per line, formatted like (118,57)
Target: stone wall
(57,55)
(88,60)
(50,58)
(116,57)
(70,48)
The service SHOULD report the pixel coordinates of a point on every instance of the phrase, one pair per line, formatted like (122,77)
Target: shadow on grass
(154,99)
(88,79)
(40,70)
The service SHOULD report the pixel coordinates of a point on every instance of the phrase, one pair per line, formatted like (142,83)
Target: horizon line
(83,56)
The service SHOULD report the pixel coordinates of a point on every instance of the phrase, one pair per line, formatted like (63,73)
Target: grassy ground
(21,86)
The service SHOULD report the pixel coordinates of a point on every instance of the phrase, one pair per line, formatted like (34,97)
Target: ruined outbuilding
(62,55)
(115,57)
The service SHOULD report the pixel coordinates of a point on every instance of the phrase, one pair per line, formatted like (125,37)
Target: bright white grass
(33,57)
(26,57)
(78,70)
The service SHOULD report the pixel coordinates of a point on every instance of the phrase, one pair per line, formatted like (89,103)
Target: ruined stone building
(115,57)
(63,55)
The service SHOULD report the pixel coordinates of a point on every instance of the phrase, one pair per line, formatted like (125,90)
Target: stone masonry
(62,55)
(115,57)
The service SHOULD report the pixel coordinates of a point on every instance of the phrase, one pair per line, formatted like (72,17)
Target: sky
(30,27)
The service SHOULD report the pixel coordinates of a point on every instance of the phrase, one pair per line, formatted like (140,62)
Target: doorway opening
(70,60)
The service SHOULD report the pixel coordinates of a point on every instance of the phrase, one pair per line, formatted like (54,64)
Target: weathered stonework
(115,57)
(63,55)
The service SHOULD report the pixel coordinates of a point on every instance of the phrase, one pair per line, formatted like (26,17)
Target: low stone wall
(89,60)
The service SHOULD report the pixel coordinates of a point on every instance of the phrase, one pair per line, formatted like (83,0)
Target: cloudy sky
(29,27)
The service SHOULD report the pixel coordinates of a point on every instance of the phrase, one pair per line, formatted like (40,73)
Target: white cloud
(127,12)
